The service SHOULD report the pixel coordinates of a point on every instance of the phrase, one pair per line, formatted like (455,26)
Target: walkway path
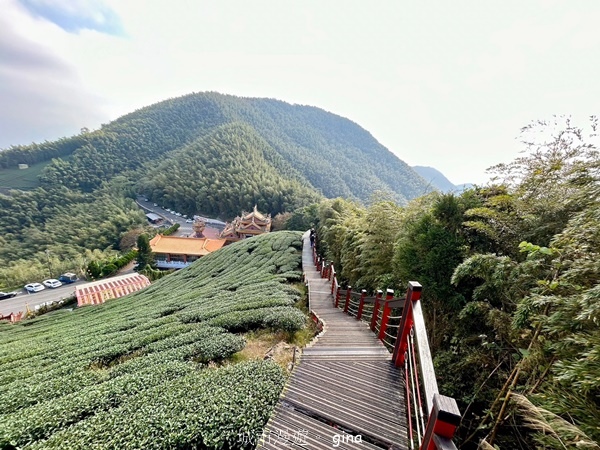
(344,393)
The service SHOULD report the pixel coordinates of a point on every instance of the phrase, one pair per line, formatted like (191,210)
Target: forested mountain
(230,167)
(332,153)
(201,153)
(438,180)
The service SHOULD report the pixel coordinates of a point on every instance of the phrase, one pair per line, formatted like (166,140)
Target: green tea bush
(133,372)
(205,409)
(288,319)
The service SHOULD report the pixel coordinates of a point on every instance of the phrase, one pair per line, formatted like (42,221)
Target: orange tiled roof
(98,292)
(185,246)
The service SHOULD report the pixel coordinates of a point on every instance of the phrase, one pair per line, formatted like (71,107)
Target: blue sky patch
(75,15)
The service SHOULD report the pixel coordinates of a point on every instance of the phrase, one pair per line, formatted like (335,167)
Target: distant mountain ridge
(325,152)
(438,180)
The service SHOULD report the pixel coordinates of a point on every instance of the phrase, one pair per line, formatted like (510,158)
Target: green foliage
(208,409)
(304,218)
(205,152)
(103,268)
(326,151)
(239,169)
(132,373)
(63,221)
(288,320)
(155,274)
(377,245)
(511,290)
(145,257)
(172,229)
(15,178)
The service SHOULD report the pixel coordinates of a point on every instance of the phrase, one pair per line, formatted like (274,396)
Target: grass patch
(15,178)
(278,346)
(302,303)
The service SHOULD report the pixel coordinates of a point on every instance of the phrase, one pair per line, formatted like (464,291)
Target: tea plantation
(138,372)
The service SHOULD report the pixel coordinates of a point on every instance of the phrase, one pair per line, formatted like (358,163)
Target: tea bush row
(132,373)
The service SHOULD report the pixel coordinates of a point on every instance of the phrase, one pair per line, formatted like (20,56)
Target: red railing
(399,324)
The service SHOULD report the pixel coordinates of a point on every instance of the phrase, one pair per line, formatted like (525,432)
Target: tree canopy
(511,283)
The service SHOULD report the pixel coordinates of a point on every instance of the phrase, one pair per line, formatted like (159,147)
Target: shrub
(288,319)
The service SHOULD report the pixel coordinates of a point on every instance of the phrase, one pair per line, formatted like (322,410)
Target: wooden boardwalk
(345,392)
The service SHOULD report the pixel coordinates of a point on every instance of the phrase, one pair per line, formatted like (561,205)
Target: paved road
(17,303)
(185,229)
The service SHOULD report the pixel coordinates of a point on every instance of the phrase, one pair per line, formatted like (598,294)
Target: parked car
(34,287)
(67,278)
(178,214)
(156,204)
(52,283)
(189,221)
(5,295)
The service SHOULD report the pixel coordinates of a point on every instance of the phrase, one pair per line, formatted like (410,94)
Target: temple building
(173,252)
(246,226)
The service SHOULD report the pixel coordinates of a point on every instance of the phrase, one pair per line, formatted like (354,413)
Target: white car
(34,287)
(52,283)
(178,214)
(189,221)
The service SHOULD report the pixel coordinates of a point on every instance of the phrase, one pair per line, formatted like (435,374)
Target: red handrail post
(318,265)
(443,421)
(330,272)
(361,304)
(338,293)
(413,294)
(385,314)
(376,309)
(333,280)
(348,295)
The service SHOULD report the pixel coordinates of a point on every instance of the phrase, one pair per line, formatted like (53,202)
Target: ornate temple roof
(246,225)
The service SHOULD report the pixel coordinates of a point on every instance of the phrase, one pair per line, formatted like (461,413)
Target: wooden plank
(374,389)
(340,370)
(318,432)
(344,382)
(393,410)
(351,418)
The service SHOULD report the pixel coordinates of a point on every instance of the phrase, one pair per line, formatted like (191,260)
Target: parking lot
(185,227)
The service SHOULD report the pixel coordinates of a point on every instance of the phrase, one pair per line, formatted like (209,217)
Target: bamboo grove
(511,276)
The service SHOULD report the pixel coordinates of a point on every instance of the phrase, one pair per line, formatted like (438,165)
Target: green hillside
(333,154)
(15,178)
(439,181)
(205,153)
(140,371)
(435,178)
(229,167)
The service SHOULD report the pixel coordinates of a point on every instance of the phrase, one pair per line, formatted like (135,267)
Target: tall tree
(145,257)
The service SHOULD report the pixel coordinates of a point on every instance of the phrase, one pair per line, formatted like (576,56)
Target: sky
(439,83)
